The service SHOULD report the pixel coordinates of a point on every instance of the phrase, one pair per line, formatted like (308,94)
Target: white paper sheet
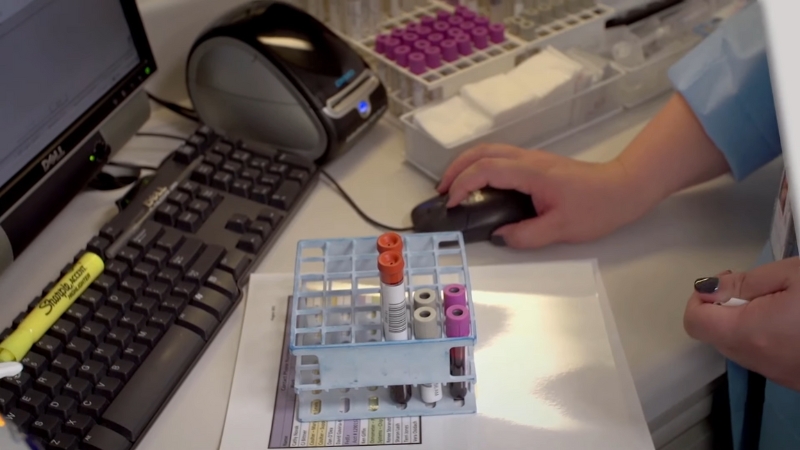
(548,376)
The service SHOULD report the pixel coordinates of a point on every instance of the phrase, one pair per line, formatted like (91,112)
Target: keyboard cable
(322,171)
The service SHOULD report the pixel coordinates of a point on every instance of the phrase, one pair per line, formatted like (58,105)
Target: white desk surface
(647,268)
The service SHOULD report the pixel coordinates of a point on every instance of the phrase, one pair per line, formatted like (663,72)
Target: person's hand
(575,201)
(763,335)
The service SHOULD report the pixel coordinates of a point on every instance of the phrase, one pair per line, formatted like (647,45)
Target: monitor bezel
(29,176)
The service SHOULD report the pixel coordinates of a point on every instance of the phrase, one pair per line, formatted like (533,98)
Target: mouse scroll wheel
(472,198)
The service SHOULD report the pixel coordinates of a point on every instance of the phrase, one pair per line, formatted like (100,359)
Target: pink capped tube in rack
(497,32)
(480,37)
(457,324)
(423,31)
(469,15)
(460,10)
(409,38)
(467,26)
(435,39)
(481,21)
(449,50)
(464,44)
(454,294)
(420,45)
(380,43)
(455,21)
(401,55)
(442,14)
(433,57)
(390,44)
(440,27)
(397,33)
(453,33)
(416,64)
(427,21)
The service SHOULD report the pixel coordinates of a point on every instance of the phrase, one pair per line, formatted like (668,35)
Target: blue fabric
(726,81)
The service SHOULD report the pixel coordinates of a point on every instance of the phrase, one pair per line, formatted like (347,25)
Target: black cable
(161,135)
(357,209)
(131,165)
(177,109)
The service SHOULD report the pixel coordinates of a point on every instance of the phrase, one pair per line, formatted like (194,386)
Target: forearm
(672,153)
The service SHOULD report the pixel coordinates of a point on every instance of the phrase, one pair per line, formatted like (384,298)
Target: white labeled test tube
(426,326)
(393,296)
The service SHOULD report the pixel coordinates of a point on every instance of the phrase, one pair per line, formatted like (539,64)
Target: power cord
(188,113)
(161,135)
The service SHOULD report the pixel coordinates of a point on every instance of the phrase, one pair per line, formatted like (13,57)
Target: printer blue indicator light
(363,107)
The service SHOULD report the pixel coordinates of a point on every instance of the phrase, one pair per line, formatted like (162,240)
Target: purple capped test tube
(454,294)
(440,27)
(397,33)
(468,15)
(435,39)
(481,21)
(457,324)
(380,43)
(427,21)
(466,26)
(409,38)
(420,45)
(480,37)
(423,31)
(497,32)
(401,53)
(433,57)
(390,45)
(416,63)
(455,21)
(460,10)
(464,43)
(449,50)
(442,14)
(453,33)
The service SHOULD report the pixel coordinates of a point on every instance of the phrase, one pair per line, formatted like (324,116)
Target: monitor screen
(59,60)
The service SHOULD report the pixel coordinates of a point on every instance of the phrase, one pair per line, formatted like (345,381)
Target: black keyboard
(105,370)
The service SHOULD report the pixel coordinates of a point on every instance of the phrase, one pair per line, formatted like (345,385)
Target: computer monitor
(70,95)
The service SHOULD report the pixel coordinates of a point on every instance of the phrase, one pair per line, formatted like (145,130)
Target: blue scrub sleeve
(726,81)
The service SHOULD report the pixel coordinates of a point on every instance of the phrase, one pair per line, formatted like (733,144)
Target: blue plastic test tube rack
(343,365)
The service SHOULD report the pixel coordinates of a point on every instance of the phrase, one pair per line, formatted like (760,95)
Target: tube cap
(440,27)
(390,266)
(401,55)
(433,57)
(416,63)
(481,21)
(427,21)
(435,38)
(442,14)
(466,26)
(456,321)
(480,37)
(464,43)
(460,10)
(455,21)
(424,30)
(426,325)
(389,241)
(408,38)
(420,45)
(469,14)
(424,297)
(454,32)
(454,294)
(390,45)
(397,32)
(449,50)
(380,43)
(497,32)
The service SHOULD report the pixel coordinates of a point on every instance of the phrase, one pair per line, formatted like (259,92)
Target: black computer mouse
(477,217)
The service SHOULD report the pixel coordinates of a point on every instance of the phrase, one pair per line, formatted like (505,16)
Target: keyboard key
(120,300)
(21,418)
(34,402)
(211,301)
(48,346)
(77,314)
(198,321)
(241,188)
(63,330)
(222,149)
(202,174)
(49,383)
(197,140)
(258,149)
(93,332)
(145,271)
(132,285)
(163,319)
(20,317)
(148,336)
(34,364)
(222,181)
(120,337)
(167,213)
(186,255)
(259,163)
(67,268)
(107,316)
(155,380)
(98,245)
(144,305)
(149,232)
(200,207)
(179,199)
(235,262)
(260,194)
(214,160)
(173,304)
(35,302)
(185,154)
(62,407)
(250,174)
(269,180)
(77,388)
(49,288)
(106,353)
(78,425)
(108,387)
(185,289)
(5,333)
(64,365)
(285,195)
(238,223)
(91,298)
(157,291)
(135,353)
(93,406)
(260,228)
(232,168)
(270,215)
(132,321)
(170,241)
(105,284)
(299,175)
(45,427)
(189,187)
(211,196)
(278,169)
(223,283)
(79,348)
(296,161)
(7,401)
(17,384)
(156,257)
(129,256)
(250,243)
(117,269)
(188,221)
(63,442)
(205,263)
(168,276)
(123,369)
(92,371)
(241,156)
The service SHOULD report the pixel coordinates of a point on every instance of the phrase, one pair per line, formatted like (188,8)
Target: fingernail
(707,285)
(498,240)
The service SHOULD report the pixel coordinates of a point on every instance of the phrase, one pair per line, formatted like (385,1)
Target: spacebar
(153,382)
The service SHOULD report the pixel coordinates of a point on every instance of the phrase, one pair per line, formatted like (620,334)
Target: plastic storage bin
(539,125)
(344,365)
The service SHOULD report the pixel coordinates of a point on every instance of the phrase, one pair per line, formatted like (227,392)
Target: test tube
(453,33)
(440,27)
(426,326)
(497,32)
(436,39)
(559,9)
(454,294)
(497,10)
(420,46)
(409,38)
(480,37)
(433,57)
(449,50)
(455,21)
(469,15)
(545,11)
(354,19)
(423,31)
(442,15)
(466,26)
(401,53)
(416,64)
(389,241)
(427,21)
(390,45)
(482,21)
(395,313)
(464,44)
(376,14)
(457,324)
(424,297)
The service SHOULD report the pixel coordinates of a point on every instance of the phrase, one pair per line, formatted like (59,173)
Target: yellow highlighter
(51,307)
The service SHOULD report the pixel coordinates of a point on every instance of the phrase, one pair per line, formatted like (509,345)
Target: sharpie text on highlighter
(66,290)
